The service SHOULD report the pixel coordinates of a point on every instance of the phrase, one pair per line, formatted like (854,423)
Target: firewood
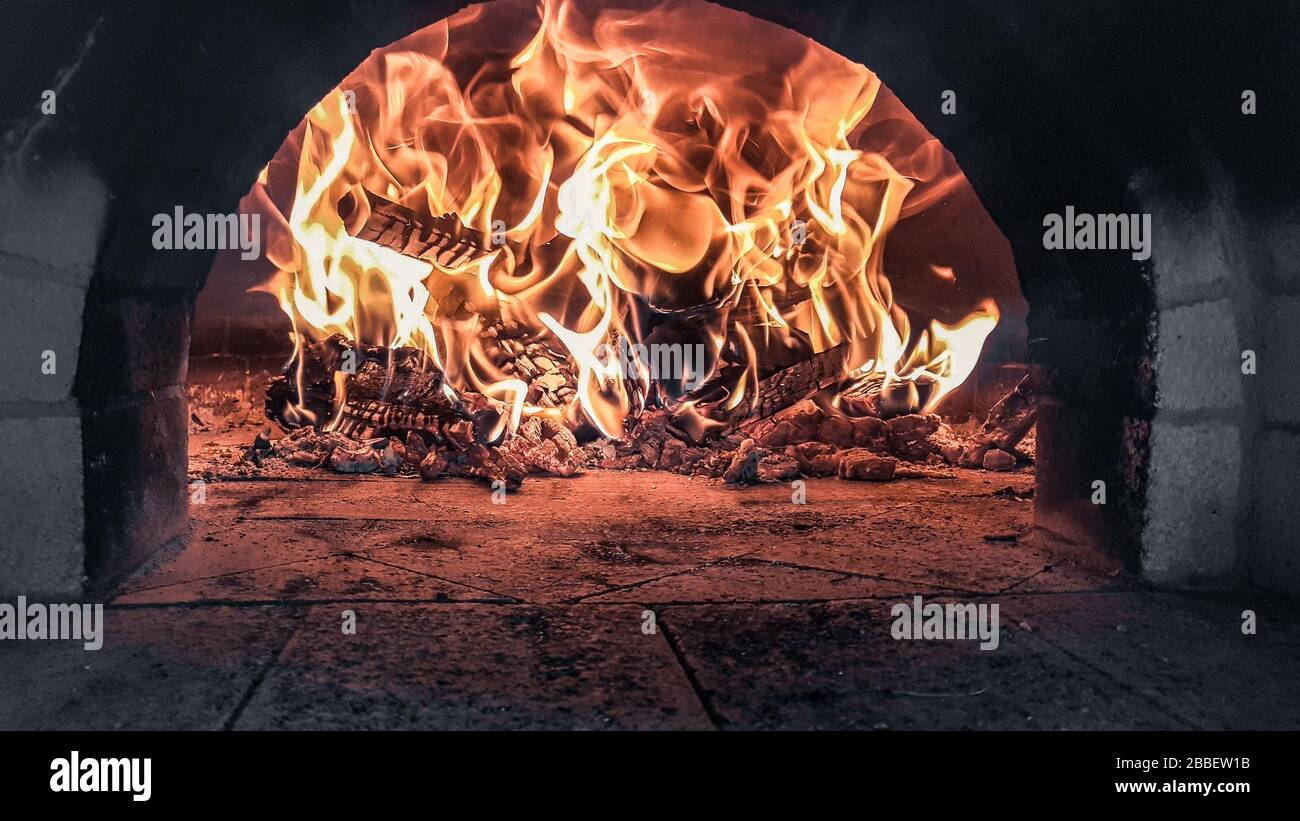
(306,446)
(807,422)
(393,456)
(786,387)
(442,239)
(399,392)
(410,421)
(400,377)
(1008,421)
(498,466)
(392,391)
(778,467)
(672,455)
(798,423)
(546,445)
(416,448)
(433,465)
(318,362)
(1013,415)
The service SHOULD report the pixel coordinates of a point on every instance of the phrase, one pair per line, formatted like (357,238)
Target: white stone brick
(1188,255)
(38,316)
(54,216)
(1198,357)
(42,515)
(1192,491)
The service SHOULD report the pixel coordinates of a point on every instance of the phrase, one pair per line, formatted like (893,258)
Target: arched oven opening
(528,245)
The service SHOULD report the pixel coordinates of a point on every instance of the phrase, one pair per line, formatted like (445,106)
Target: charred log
(1008,421)
(799,381)
(443,239)
(393,391)
(304,394)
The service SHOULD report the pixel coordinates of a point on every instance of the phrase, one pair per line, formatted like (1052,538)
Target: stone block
(1198,357)
(41,511)
(1188,255)
(38,316)
(1193,483)
(54,216)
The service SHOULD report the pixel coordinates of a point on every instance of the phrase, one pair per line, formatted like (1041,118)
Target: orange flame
(627,163)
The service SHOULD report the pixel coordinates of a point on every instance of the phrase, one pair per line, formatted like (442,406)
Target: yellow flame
(617,161)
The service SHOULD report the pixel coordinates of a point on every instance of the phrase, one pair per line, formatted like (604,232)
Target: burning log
(443,239)
(391,391)
(572,230)
(397,415)
(539,446)
(786,387)
(399,392)
(305,392)
(397,399)
(1012,417)
(871,396)
(1007,423)
(868,398)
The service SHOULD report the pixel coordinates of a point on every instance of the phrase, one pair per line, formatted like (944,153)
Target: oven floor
(641,600)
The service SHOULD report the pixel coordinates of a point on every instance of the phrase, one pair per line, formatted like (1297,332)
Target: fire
(628,171)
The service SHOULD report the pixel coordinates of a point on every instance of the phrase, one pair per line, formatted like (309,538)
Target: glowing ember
(636,178)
